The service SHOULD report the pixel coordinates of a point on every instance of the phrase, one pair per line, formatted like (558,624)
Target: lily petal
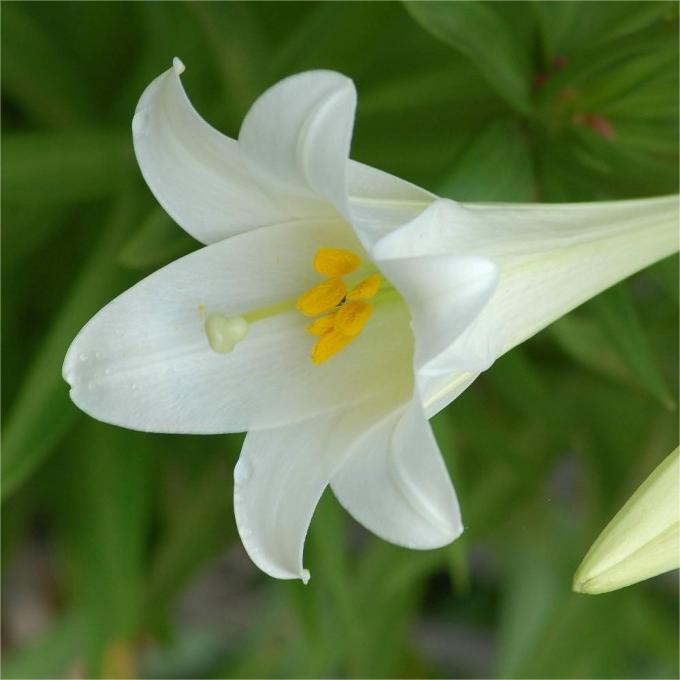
(280,476)
(278,481)
(395,483)
(295,140)
(554,258)
(380,202)
(444,294)
(196,173)
(643,538)
(144,361)
(551,258)
(445,290)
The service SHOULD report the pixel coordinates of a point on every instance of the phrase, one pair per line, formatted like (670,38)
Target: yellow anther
(323,297)
(344,313)
(365,289)
(352,317)
(335,262)
(329,344)
(322,325)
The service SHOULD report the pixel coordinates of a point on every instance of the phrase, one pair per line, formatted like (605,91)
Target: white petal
(552,259)
(444,290)
(280,477)
(295,139)
(278,481)
(380,202)
(196,173)
(395,483)
(144,361)
(444,294)
(437,390)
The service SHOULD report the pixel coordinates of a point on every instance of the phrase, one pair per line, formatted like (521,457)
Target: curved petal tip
(178,65)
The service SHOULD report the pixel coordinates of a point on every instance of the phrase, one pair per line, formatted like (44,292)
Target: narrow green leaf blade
(157,241)
(64,167)
(496,166)
(42,411)
(478,32)
(615,312)
(108,521)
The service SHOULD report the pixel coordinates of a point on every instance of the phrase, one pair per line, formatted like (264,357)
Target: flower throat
(342,311)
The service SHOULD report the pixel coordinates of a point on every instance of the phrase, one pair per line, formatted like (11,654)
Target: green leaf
(479,33)
(64,167)
(239,48)
(496,166)
(516,378)
(615,312)
(42,412)
(157,241)
(197,522)
(110,487)
(320,38)
(568,27)
(584,341)
(37,73)
(454,86)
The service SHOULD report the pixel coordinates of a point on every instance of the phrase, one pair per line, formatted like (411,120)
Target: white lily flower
(334,309)
(642,540)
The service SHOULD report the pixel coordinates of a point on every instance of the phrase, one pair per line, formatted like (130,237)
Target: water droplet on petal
(245,533)
(243,470)
(140,123)
(83,357)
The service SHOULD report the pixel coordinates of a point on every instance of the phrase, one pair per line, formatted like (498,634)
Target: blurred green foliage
(519,101)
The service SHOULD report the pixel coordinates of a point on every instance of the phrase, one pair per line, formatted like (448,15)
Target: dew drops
(83,357)
(245,533)
(243,470)
(107,371)
(140,123)
(134,387)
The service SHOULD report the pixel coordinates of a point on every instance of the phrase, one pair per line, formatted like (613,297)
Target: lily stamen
(349,311)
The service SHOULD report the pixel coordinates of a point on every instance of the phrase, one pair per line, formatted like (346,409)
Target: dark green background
(119,548)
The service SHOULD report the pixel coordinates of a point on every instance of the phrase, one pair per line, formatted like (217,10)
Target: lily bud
(643,538)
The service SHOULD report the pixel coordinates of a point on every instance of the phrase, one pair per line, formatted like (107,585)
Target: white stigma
(225,332)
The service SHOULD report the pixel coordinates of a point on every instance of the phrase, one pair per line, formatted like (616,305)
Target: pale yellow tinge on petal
(642,540)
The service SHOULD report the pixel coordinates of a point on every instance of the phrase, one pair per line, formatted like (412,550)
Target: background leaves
(119,548)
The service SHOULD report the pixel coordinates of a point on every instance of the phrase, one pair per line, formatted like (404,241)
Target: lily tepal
(332,311)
